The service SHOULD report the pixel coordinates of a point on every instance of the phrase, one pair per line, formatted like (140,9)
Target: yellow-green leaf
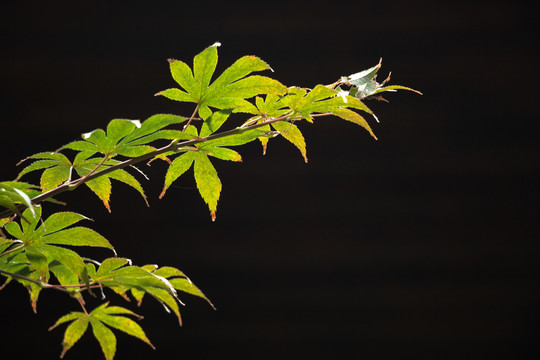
(187,286)
(60,220)
(73,333)
(179,166)
(223,153)
(38,259)
(177,95)
(65,256)
(182,74)
(126,325)
(101,186)
(68,317)
(111,264)
(77,236)
(228,91)
(291,132)
(105,337)
(354,117)
(128,179)
(207,181)
(214,122)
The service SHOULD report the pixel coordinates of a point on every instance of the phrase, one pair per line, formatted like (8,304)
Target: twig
(174,146)
(12,250)
(37,282)
(64,288)
(83,179)
(191,117)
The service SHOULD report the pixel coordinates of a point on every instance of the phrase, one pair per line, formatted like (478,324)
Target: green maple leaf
(101,320)
(41,242)
(129,138)
(178,280)
(43,249)
(101,186)
(13,193)
(228,91)
(114,274)
(206,176)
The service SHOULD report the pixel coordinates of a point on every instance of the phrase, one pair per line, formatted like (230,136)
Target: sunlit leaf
(207,182)
(66,318)
(291,132)
(138,295)
(40,244)
(33,289)
(61,220)
(64,275)
(38,258)
(105,337)
(67,257)
(229,90)
(167,300)
(73,333)
(187,286)
(120,128)
(223,153)
(14,230)
(13,193)
(124,324)
(394,88)
(242,138)
(214,122)
(111,264)
(28,227)
(178,167)
(77,236)
(168,271)
(102,186)
(128,179)
(131,276)
(128,138)
(45,160)
(354,117)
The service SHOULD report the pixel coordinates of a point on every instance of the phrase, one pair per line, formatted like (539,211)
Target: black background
(420,245)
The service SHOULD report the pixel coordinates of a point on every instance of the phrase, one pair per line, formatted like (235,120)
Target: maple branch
(83,179)
(191,117)
(12,250)
(37,282)
(173,146)
(42,284)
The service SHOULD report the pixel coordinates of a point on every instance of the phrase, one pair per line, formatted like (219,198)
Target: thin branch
(83,179)
(37,282)
(12,250)
(191,117)
(81,302)
(42,284)
(172,147)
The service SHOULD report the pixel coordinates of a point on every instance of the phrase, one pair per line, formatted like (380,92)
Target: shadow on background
(422,244)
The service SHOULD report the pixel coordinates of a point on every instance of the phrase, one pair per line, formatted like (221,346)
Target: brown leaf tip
(162,193)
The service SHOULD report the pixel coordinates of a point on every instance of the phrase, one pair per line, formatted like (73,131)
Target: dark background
(420,245)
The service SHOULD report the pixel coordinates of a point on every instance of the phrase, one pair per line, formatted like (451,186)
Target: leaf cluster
(44,252)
